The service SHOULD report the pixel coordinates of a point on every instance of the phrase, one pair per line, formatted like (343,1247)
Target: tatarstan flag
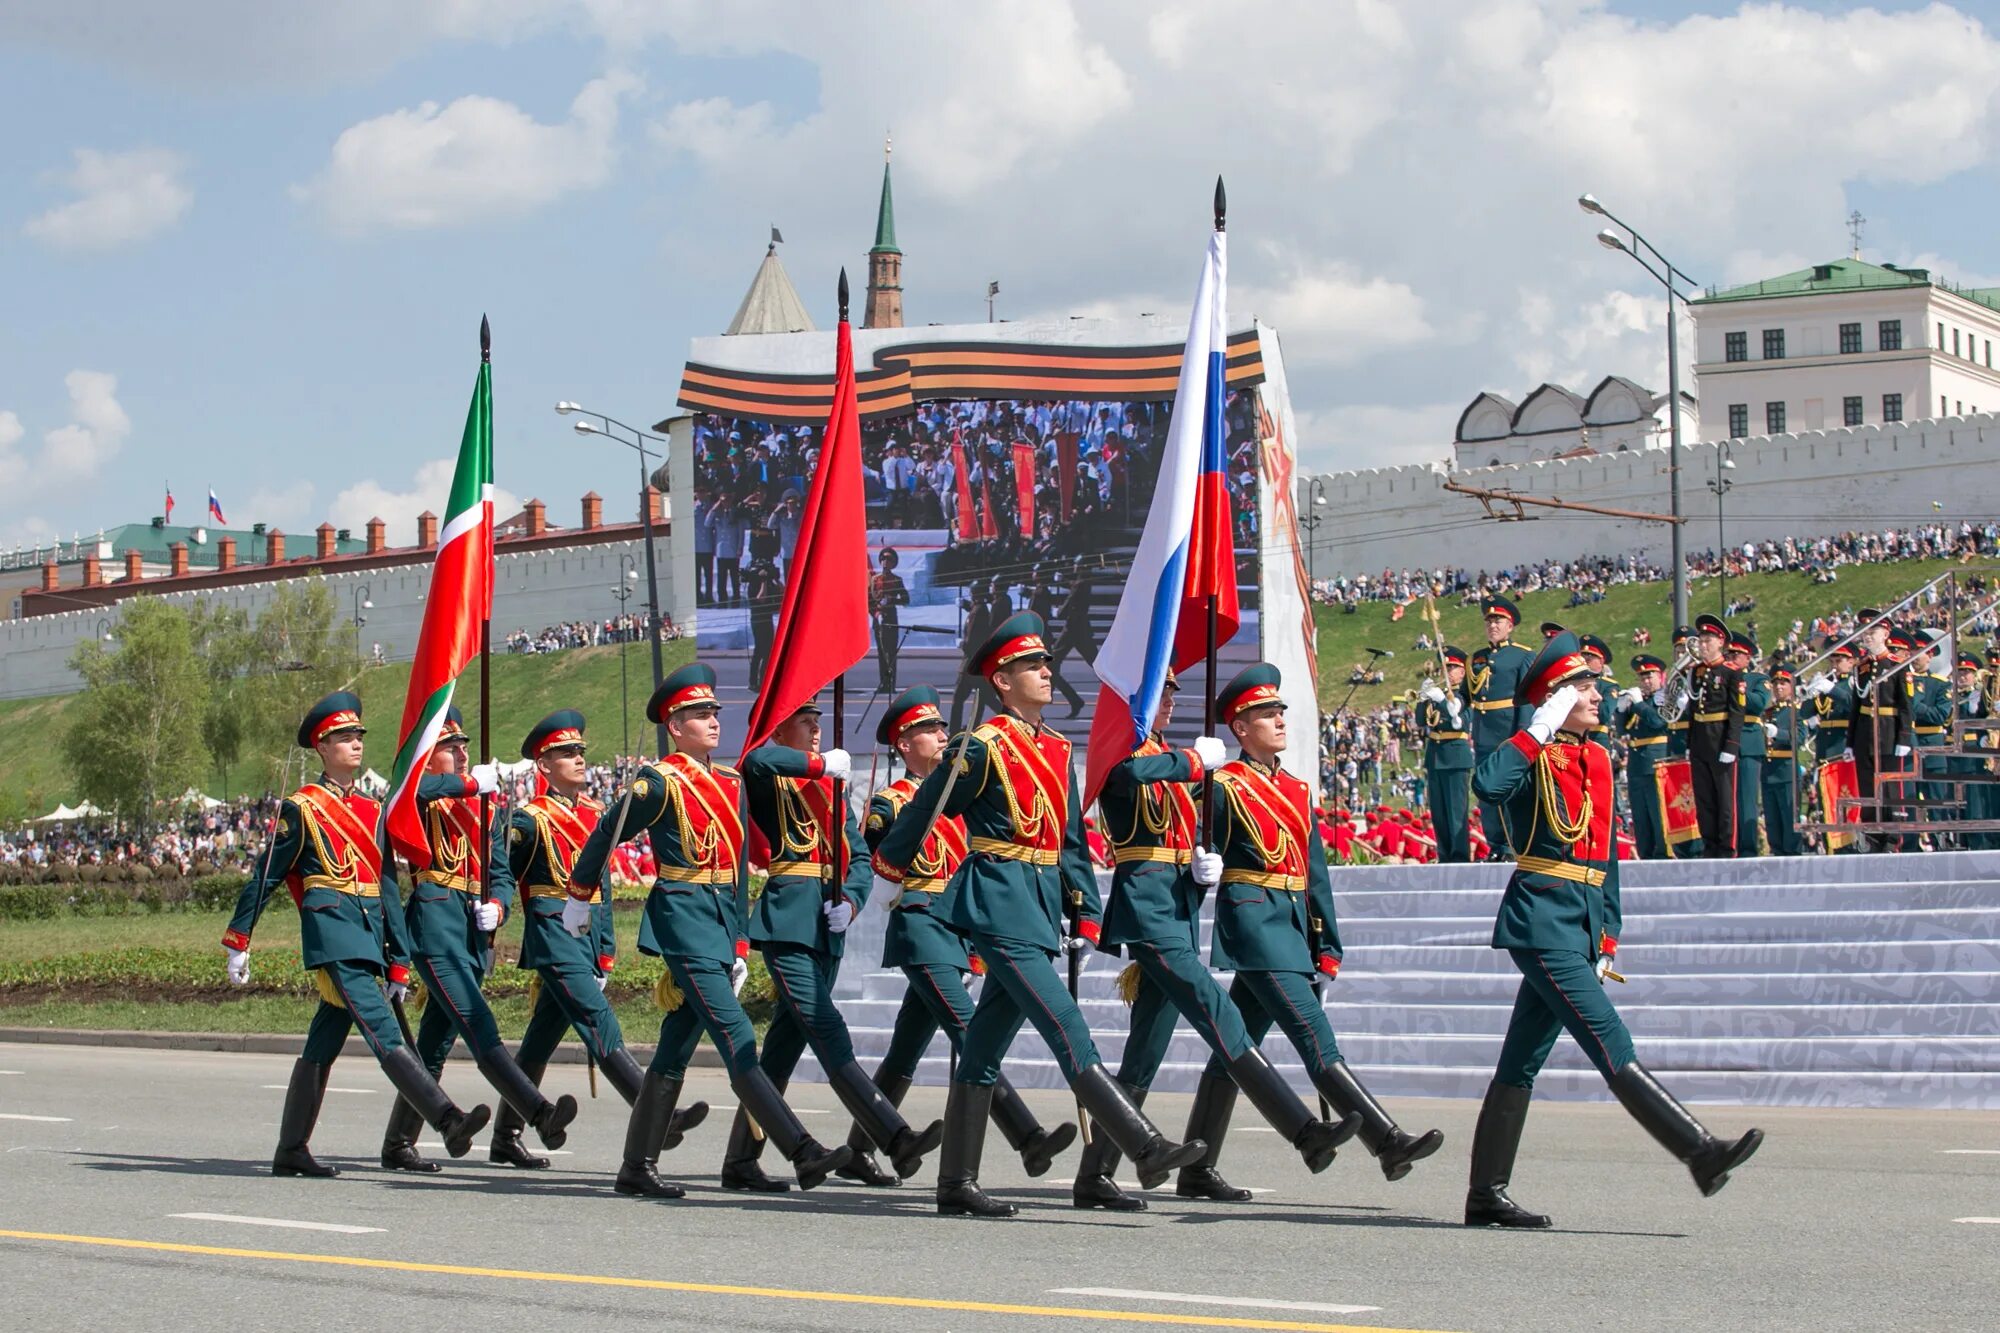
(459,602)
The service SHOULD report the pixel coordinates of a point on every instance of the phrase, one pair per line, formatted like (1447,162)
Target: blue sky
(266,271)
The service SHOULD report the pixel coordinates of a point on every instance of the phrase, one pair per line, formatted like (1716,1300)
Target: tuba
(1679,690)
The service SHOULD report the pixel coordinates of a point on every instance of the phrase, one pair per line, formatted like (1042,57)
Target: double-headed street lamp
(1720,485)
(1611,240)
(622,591)
(608,430)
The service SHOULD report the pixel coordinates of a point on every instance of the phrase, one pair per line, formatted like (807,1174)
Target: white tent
(200,800)
(373,783)
(64,813)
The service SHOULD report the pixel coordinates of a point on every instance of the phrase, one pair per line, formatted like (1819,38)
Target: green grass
(1781,598)
(33,777)
(259,1013)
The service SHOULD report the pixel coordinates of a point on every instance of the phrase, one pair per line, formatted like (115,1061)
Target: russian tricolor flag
(215,508)
(1187,551)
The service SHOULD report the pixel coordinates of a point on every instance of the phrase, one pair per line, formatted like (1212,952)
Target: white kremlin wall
(1814,483)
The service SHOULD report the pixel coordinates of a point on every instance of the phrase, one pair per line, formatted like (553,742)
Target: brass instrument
(1679,688)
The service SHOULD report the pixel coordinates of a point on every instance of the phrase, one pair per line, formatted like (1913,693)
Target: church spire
(884,308)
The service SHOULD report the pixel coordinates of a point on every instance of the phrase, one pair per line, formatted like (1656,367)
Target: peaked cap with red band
(339,711)
(1252,687)
(1594,646)
(912,708)
(690,687)
(1711,625)
(1499,606)
(1648,662)
(1454,656)
(454,726)
(562,727)
(1020,638)
(1560,660)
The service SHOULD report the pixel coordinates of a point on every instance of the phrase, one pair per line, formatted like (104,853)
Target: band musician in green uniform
(1024,893)
(326,852)
(1644,728)
(1442,715)
(1559,921)
(1783,739)
(1494,714)
(1752,741)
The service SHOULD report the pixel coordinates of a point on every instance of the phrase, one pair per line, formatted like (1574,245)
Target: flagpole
(1208,700)
(486,691)
(836,837)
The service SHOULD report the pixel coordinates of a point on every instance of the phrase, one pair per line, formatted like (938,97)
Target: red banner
(988,529)
(968,528)
(1675,779)
(1838,781)
(1066,471)
(1024,486)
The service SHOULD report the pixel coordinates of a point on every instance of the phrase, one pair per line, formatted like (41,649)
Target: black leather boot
(550,1118)
(457,1128)
(1208,1121)
(1038,1147)
(958,1194)
(1154,1156)
(622,1072)
(1096,1184)
(1495,1140)
(505,1146)
(1316,1140)
(303,1094)
(812,1161)
(907,1147)
(399,1141)
(1708,1159)
(740,1168)
(1395,1150)
(645,1132)
(863,1169)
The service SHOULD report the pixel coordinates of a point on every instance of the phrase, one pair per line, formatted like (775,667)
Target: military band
(1442,716)
(1645,729)
(1752,742)
(1784,741)
(1496,670)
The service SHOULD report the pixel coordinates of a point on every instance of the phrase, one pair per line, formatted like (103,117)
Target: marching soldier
(1930,719)
(1751,743)
(545,834)
(697,916)
(1493,713)
(1645,730)
(1026,867)
(451,926)
(1559,920)
(1715,711)
(1275,926)
(819,878)
(1448,759)
(930,953)
(1154,913)
(1783,738)
(326,853)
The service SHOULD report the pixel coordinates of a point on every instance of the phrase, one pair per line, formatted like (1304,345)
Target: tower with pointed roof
(884,307)
(772,304)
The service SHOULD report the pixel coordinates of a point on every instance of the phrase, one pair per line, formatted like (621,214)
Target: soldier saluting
(1026,868)
(1559,921)
(326,852)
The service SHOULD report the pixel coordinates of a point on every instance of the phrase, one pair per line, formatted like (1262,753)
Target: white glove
(1727,758)
(1630,696)
(239,967)
(1453,711)
(839,764)
(603,980)
(1770,731)
(1812,724)
(1818,685)
(1074,944)
(1431,693)
(486,916)
(1603,966)
(576,916)
(1555,711)
(399,991)
(488,778)
(739,972)
(1902,752)
(1211,752)
(839,915)
(1207,867)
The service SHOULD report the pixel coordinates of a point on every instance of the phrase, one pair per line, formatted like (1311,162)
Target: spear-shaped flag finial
(1221,205)
(485,339)
(843,294)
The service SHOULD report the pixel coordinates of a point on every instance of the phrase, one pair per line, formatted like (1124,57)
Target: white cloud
(288,508)
(70,454)
(353,507)
(1335,439)
(122,198)
(1333,313)
(477,158)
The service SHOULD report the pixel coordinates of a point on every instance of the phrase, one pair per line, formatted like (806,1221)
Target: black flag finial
(843,294)
(485,339)
(1221,205)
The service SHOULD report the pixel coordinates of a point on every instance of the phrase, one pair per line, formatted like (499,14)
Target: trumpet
(1679,691)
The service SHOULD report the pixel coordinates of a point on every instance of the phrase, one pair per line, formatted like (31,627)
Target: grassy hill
(1780,598)
(525,688)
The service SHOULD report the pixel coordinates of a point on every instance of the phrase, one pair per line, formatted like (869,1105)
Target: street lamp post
(104,629)
(1721,485)
(1612,241)
(1311,523)
(363,599)
(622,591)
(638,443)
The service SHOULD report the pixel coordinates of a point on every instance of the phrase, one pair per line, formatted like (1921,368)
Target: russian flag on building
(215,508)
(1186,552)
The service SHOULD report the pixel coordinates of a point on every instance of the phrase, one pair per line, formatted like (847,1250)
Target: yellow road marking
(709,1288)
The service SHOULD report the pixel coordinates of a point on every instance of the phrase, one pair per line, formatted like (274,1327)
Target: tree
(223,641)
(295,658)
(134,733)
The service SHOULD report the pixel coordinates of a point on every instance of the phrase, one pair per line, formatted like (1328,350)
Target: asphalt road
(1847,1219)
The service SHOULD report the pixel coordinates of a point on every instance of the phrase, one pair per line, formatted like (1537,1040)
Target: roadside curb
(270,1043)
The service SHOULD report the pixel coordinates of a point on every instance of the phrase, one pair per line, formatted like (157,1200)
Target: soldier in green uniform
(1644,728)
(1026,868)
(544,835)
(1752,742)
(1825,704)
(695,814)
(1275,926)
(1982,798)
(1494,716)
(930,953)
(1448,759)
(1559,921)
(1879,731)
(818,879)
(1154,913)
(1930,716)
(1598,654)
(1784,738)
(1675,706)
(451,925)
(327,853)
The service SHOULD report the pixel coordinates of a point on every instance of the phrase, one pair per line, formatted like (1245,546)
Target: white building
(1616,417)
(1843,344)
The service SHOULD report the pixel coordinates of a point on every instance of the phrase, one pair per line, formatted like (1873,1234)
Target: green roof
(1846,275)
(154,543)
(885,220)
